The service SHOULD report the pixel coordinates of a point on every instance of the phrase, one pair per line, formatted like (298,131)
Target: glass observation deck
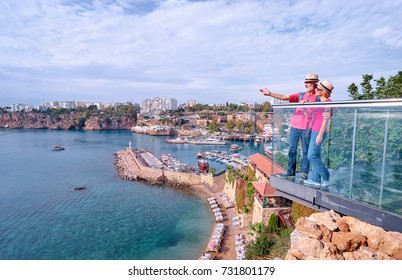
(363,154)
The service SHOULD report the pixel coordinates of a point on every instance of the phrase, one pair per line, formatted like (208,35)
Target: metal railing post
(352,163)
(384,157)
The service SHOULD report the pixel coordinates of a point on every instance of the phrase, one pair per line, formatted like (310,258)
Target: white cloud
(386,34)
(205,50)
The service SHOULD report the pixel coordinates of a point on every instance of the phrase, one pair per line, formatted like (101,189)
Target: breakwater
(131,166)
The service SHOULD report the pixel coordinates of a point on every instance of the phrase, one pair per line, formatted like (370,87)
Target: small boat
(203,166)
(200,155)
(235,147)
(57,148)
(268,150)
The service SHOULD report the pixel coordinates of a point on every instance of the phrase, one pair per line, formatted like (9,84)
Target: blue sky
(210,51)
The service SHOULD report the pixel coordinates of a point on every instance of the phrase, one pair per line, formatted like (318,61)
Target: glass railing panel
(363,150)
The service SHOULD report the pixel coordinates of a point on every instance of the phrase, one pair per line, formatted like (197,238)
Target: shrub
(299,210)
(273,223)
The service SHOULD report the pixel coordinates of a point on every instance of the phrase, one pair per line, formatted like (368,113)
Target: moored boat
(235,147)
(57,148)
(203,166)
(268,150)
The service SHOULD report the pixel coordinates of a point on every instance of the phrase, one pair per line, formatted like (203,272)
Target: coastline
(130,168)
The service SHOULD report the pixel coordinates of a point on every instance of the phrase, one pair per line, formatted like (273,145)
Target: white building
(191,102)
(20,107)
(157,105)
(170,104)
(67,104)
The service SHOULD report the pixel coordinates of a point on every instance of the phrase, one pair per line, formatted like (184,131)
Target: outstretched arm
(267,92)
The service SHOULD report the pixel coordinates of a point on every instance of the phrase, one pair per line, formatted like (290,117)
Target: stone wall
(229,189)
(328,236)
(182,178)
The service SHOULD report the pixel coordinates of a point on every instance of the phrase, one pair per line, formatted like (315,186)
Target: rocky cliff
(73,120)
(328,236)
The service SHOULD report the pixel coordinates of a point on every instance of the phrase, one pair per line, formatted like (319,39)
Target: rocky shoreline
(68,121)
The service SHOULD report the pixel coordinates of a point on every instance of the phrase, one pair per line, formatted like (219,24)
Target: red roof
(264,189)
(265,164)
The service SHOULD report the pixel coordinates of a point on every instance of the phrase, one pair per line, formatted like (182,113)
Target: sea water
(42,216)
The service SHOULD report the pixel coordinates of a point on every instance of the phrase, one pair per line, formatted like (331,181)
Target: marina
(226,241)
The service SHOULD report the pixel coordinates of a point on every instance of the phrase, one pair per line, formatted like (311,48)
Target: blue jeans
(294,136)
(319,171)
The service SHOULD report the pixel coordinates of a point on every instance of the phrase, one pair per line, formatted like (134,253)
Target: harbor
(226,241)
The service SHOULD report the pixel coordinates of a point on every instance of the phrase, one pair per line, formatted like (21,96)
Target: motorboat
(235,147)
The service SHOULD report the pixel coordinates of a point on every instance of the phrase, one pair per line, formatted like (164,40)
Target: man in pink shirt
(299,125)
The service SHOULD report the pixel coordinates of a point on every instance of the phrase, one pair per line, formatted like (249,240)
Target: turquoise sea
(42,217)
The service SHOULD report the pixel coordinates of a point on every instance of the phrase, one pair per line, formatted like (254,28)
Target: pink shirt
(318,118)
(299,119)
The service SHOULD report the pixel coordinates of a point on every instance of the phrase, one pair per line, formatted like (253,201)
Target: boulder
(327,218)
(363,253)
(330,252)
(309,227)
(355,225)
(348,241)
(307,246)
(389,243)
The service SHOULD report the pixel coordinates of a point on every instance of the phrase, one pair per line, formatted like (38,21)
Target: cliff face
(73,120)
(106,122)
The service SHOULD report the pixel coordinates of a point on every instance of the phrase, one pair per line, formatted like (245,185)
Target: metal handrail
(392,102)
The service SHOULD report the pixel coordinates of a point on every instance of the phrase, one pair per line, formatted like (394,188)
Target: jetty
(139,164)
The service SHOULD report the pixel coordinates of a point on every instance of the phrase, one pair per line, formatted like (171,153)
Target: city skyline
(204,50)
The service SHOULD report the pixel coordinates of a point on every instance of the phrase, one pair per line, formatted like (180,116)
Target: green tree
(273,223)
(353,91)
(367,88)
(267,107)
(384,88)
(257,228)
(213,126)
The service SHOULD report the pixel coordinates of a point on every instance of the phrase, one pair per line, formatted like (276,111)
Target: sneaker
(312,183)
(303,176)
(284,175)
(325,183)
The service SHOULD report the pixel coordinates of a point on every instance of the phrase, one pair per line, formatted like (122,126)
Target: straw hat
(326,86)
(311,78)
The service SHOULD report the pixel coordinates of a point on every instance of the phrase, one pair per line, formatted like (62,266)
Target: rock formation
(73,120)
(328,236)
